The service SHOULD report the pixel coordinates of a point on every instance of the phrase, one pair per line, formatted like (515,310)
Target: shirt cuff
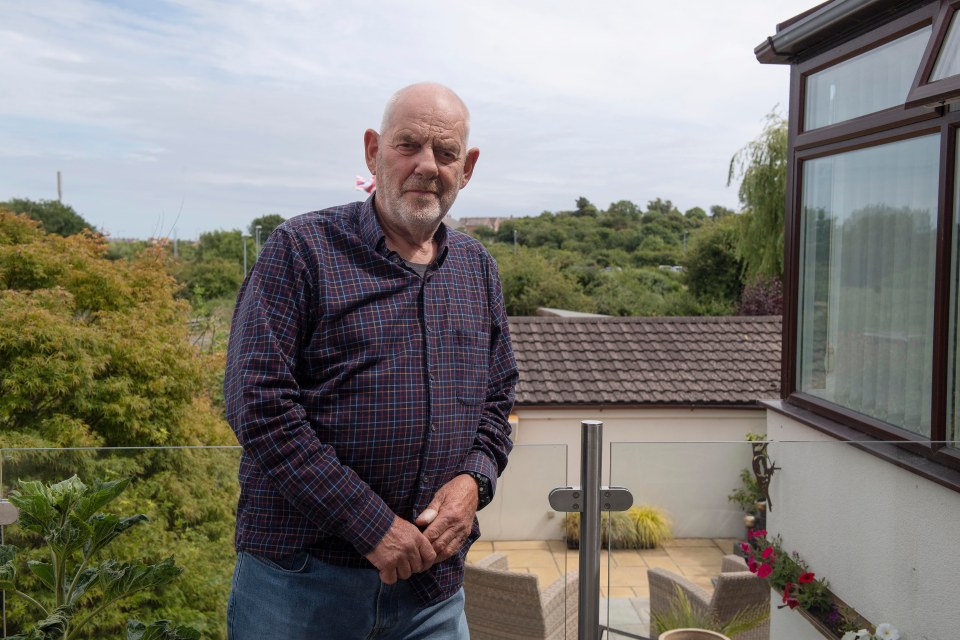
(479,463)
(368,523)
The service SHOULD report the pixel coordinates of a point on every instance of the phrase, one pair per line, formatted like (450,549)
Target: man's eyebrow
(449,145)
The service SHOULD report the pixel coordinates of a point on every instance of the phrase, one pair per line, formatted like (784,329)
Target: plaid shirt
(357,388)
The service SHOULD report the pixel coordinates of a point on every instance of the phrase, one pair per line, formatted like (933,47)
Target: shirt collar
(372,233)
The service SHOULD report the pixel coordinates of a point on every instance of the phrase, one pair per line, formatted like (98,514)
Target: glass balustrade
(189,496)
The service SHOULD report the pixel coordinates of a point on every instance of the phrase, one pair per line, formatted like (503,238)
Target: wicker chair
(736,589)
(506,605)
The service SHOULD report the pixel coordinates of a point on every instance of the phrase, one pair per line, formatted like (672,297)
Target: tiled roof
(654,361)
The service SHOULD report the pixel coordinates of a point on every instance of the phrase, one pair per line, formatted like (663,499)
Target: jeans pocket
(295,563)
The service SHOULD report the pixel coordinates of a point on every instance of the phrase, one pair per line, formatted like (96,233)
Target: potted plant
(683,621)
(692,634)
(800,589)
(640,527)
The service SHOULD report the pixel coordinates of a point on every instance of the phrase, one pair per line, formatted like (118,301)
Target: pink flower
(752,565)
(764,570)
(759,533)
(806,577)
(745,547)
(769,554)
(786,591)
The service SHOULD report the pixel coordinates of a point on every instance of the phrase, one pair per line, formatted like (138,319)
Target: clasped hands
(448,519)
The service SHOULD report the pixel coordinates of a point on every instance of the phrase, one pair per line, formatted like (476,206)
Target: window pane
(872,81)
(867,278)
(948,62)
(953,369)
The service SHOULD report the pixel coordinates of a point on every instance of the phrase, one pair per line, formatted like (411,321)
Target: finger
(388,575)
(404,571)
(429,515)
(427,553)
(447,544)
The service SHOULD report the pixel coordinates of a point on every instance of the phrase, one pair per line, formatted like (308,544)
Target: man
(369,380)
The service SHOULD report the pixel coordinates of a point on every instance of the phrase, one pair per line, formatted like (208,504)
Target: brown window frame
(870,130)
(927,93)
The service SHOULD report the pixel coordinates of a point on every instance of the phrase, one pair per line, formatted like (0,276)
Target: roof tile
(637,360)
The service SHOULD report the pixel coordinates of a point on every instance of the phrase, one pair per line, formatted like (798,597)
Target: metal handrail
(588,500)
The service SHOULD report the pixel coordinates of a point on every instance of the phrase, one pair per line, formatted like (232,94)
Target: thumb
(429,515)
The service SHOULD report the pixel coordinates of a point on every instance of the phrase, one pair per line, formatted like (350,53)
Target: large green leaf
(8,567)
(44,571)
(50,628)
(82,583)
(160,630)
(70,536)
(98,496)
(37,511)
(104,528)
(122,580)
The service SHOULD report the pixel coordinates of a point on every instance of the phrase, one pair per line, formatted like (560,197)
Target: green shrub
(641,527)
(683,615)
(72,586)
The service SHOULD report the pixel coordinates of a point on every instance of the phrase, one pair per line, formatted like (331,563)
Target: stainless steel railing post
(588,500)
(591,443)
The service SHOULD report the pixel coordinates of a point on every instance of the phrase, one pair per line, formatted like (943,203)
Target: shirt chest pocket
(471,364)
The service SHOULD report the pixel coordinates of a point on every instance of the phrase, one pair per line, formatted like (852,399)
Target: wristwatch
(484,491)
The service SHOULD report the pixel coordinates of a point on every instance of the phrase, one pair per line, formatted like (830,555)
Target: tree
(634,292)
(531,281)
(267,224)
(762,296)
(713,268)
(210,279)
(717,212)
(585,208)
(96,353)
(761,167)
(224,244)
(93,351)
(661,206)
(54,216)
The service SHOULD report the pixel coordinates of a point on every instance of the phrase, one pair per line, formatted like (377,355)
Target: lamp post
(243,239)
(258,239)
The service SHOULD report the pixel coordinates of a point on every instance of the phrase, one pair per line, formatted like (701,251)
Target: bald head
(427,94)
(420,158)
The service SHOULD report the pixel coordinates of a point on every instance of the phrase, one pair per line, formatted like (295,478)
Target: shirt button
(433,426)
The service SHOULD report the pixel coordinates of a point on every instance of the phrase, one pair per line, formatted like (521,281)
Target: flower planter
(816,626)
(692,634)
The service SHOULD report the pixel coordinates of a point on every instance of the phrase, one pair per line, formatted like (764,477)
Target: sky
(168,118)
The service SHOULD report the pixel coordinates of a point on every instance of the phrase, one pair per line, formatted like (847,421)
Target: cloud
(245,107)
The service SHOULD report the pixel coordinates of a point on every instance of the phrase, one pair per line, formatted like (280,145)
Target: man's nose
(426,163)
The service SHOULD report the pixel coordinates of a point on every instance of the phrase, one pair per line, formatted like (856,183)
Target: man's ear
(371,144)
(468,165)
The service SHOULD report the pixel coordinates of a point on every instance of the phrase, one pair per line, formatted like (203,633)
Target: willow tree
(761,167)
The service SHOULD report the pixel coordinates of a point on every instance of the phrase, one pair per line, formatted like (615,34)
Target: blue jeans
(302,598)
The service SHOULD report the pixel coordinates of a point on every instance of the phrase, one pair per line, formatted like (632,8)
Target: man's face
(421,160)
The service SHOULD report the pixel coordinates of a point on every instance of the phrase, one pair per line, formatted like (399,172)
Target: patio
(623,574)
